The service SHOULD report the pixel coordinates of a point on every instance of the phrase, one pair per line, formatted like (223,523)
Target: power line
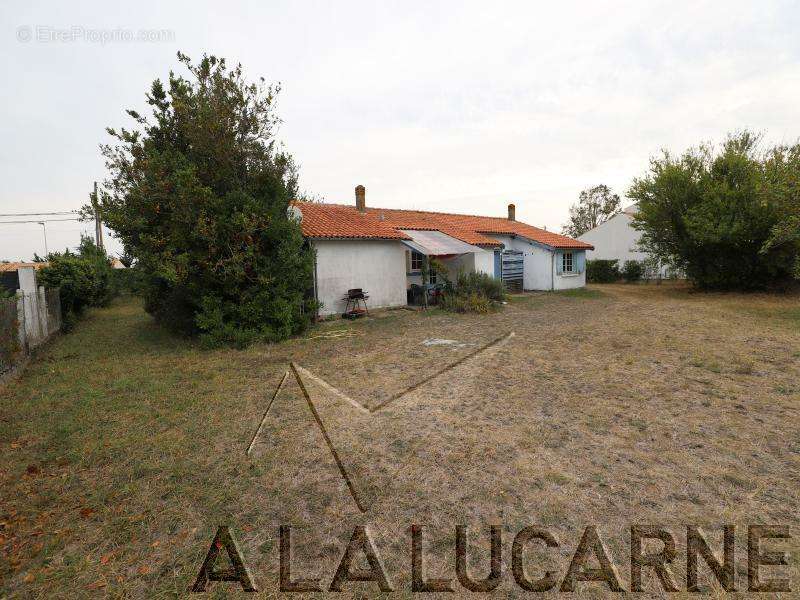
(40,221)
(63,212)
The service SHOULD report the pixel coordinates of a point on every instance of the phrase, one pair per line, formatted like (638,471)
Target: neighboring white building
(616,239)
(383,251)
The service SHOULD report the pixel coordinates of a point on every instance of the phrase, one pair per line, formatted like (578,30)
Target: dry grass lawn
(123,447)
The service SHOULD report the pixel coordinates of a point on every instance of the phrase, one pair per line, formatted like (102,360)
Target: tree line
(728,216)
(198,193)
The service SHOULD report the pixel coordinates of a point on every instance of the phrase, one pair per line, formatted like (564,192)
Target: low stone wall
(27,321)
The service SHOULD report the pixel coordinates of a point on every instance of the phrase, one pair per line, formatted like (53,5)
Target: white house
(382,251)
(616,239)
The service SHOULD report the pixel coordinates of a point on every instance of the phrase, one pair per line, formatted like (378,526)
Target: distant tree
(722,216)
(595,206)
(83,278)
(199,196)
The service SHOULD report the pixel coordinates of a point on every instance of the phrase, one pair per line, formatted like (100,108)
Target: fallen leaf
(28,578)
(105,558)
(144,570)
(86,512)
(32,469)
(156,544)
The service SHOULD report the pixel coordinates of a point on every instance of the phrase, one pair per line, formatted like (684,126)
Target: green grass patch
(790,314)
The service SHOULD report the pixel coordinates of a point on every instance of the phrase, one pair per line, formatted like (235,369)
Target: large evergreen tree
(198,194)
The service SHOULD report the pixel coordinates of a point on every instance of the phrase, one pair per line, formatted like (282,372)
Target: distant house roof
(346,221)
(15,266)
(631,210)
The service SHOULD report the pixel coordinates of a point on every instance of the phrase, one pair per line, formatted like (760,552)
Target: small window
(432,276)
(416,261)
(567,262)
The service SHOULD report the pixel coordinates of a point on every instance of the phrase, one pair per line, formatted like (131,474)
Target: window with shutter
(567,262)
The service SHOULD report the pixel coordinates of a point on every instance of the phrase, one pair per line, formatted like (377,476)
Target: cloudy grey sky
(442,106)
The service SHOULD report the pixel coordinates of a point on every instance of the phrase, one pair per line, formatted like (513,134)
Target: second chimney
(512,212)
(361,200)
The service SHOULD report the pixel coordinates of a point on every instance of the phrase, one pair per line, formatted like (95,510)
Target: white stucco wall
(484,261)
(539,267)
(568,281)
(536,262)
(616,239)
(376,266)
(463,263)
(481,261)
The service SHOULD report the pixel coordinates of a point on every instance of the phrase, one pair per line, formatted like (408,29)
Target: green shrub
(463,303)
(85,279)
(479,283)
(79,281)
(602,271)
(472,292)
(632,270)
(130,281)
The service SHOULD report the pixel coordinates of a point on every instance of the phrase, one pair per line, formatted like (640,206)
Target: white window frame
(568,260)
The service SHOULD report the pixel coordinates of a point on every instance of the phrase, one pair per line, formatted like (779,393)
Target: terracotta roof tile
(13,266)
(345,221)
(338,221)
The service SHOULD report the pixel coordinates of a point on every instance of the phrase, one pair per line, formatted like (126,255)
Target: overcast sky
(442,106)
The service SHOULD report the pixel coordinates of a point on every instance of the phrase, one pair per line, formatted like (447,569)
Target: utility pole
(44,231)
(98,227)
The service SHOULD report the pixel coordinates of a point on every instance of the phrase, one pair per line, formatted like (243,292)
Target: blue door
(498,265)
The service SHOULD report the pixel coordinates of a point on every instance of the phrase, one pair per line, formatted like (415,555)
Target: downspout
(553,271)
(316,297)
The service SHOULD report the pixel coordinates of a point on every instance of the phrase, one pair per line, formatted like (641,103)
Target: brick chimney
(361,200)
(512,212)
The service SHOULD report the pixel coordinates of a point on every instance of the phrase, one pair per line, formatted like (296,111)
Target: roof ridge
(427,212)
(472,229)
